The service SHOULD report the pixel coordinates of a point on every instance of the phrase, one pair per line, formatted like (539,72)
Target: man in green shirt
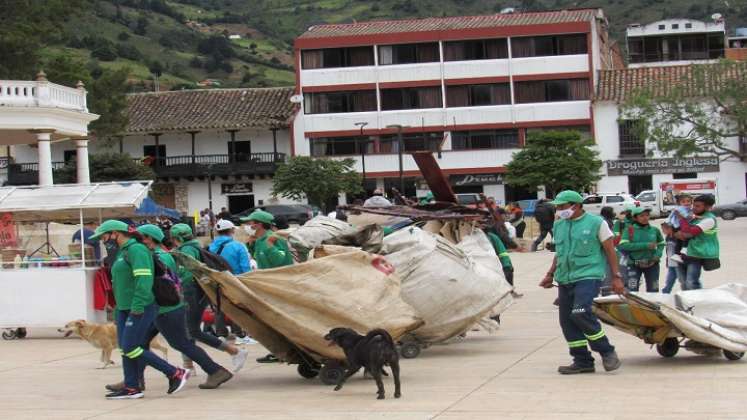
(703,245)
(582,242)
(267,248)
(644,245)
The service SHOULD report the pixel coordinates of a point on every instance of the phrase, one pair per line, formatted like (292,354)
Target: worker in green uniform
(132,281)
(267,248)
(502,252)
(197,301)
(703,250)
(582,242)
(644,244)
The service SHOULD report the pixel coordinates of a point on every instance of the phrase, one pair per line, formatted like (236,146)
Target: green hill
(188,41)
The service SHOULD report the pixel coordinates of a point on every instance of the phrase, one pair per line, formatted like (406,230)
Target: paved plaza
(508,375)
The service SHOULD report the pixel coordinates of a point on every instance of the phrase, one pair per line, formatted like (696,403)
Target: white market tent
(73,202)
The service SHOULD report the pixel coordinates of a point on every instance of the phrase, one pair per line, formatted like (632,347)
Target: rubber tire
(669,347)
(9,335)
(331,373)
(733,355)
(409,350)
(728,215)
(21,333)
(307,371)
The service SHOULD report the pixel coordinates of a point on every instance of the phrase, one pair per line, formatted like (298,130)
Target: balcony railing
(43,94)
(27,173)
(238,164)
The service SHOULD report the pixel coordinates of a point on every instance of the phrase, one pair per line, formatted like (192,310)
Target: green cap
(568,196)
(259,216)
(180,230)
(152,231)
(110,226)
(638,210)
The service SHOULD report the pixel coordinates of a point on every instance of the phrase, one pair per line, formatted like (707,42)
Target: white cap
(224,224)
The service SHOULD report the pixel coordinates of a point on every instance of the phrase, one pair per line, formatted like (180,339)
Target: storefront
(636,175)
(489,184)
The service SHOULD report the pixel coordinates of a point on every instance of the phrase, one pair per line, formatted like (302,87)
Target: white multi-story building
(467,88)
(675,42)
(234,137)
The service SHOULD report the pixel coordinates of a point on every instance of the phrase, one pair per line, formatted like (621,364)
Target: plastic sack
(314,232)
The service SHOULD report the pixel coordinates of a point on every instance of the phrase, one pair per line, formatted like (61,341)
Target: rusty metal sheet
(437,181)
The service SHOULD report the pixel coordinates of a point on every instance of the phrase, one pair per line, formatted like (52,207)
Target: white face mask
(565,214)
(249,230)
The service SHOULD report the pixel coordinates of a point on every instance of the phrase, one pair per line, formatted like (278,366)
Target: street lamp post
(363,151)
(399,128)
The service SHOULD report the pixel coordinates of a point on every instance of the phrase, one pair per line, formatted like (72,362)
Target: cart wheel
(733,355)
(409,350)
(331,373)
(21,333)
(307,370)
(669,347)
(9,334)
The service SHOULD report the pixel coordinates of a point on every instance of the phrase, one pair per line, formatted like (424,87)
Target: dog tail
(380,333)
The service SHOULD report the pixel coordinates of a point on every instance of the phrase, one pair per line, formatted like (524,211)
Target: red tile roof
(209,109)
(619,85)
(450,23)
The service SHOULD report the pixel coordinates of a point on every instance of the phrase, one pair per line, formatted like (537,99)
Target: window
(631,143)
(413,142)
(715,46)
(484,139)
(408,53)
(662,27)
(341,146)
(593,200)
(688,26)
(538,46)
(479,49)
(70,155)
(693,47)
(411,98)
(552,91)
(615,199)
(675,26)
(478,95)
(583,130)
(337,57)
(242,150)
(334,102)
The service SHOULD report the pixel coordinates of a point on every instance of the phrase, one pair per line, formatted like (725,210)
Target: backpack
(617,239)
(213,259)
(167,285)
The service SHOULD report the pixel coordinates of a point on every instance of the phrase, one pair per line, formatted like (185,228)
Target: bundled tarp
(451,286)
(314,232)
(291,308)
(717,316)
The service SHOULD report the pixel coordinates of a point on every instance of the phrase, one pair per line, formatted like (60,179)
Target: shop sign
(662,166)
(476,179)
(237,188)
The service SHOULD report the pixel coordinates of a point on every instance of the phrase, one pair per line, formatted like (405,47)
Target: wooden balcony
(189,166)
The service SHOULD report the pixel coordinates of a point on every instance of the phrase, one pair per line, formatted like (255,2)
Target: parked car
(468,199)
(293,213)
(731,211)
(649,199)
(618,201)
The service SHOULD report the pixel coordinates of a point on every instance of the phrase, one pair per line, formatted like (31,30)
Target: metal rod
(82,240)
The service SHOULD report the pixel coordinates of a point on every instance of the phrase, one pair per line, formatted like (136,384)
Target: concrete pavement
(508,375)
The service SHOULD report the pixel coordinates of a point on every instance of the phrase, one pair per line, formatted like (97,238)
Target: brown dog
(104,337)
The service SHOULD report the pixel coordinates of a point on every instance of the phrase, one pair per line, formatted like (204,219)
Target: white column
(45,158)
(81,148)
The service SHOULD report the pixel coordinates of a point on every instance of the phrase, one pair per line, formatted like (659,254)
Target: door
(239,203)
(151,151)
(70,155)
(617,202)
(638,183)
(243,150)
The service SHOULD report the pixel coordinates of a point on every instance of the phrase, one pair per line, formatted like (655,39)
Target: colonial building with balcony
(469,89)
(232,138)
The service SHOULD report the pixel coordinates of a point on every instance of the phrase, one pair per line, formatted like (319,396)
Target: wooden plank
(437,181)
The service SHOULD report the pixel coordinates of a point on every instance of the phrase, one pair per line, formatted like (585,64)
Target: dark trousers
(520,228)
(691,272)
(580,326)
(544,230)
(508,272)
(172,325)
(651,274)
(132,333)
(197,301)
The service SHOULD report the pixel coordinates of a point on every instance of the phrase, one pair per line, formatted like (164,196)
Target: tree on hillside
(702,114)
(105,167)
(556,159)
(316,179)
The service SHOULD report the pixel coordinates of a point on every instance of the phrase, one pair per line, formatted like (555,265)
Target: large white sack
(314,232)
(450,286)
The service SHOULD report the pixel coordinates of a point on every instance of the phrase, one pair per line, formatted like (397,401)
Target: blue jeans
(172,325)
(673,273)
(197,301)
(650,273)
(132,333)
(580,326)
(691,271)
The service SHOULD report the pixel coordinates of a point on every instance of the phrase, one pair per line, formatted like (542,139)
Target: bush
(129,52)
(123,36)
(196,63)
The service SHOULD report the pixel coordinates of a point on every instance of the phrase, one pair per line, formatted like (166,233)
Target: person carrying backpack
(132,281)
(230,249)
(197,301)
(644,245)
(171,320)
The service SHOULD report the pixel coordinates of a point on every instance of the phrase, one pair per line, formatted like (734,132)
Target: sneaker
(216,379)
(611,361)
(516,294)
(177,382)
(270,358)
(125,394)
(192,372)
(573,369)
(238,359)
(121,385)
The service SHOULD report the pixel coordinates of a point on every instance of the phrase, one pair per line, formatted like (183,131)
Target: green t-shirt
(169,262)
(270,256)
(132,277)
(637,247)
(191,248)
(500,250)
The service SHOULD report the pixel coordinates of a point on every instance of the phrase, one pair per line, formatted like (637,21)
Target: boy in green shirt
(644,245)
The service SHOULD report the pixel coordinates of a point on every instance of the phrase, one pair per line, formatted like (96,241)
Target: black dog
(372,352)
